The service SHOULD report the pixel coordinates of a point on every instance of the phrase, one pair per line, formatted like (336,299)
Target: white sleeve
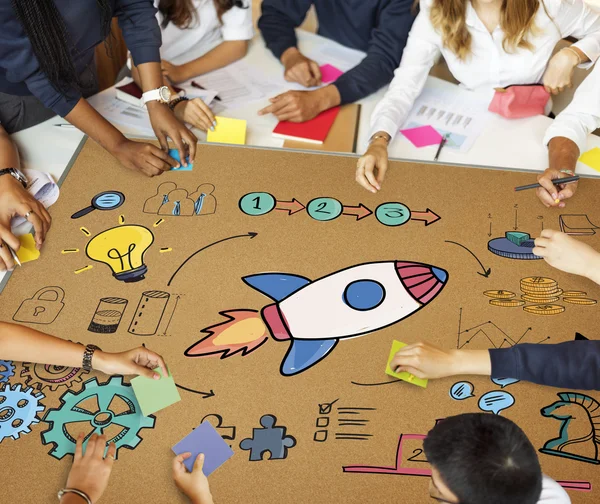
(420,53)
(237,23)
(575,18)
(552,492)
(582,116)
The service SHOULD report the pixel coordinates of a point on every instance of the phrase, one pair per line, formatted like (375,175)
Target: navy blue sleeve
(278,20)
(386,45)
(137,20)
(571,365)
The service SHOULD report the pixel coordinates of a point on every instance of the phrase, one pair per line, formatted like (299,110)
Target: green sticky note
(407,377)
(591,158)
(154,395)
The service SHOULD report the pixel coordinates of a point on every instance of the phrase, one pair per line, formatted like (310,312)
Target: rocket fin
(277,286)
(303,354)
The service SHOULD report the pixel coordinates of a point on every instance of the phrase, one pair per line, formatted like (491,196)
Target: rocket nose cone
(422,281)
(440,274)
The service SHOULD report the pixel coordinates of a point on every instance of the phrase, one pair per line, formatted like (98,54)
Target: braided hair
(45,28)
(182,12)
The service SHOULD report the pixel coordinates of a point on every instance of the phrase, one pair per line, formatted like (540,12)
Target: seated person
(487,45)
(377,27)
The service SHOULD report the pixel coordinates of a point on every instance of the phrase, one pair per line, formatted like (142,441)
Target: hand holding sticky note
(229,131)
(154,395)
(174,153)
(397,345)
(28,251)
(204,439)
(329,73)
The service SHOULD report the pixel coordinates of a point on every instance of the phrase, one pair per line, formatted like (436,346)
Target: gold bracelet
(575,53)
(385,136)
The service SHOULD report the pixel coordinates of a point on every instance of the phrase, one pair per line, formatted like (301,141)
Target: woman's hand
(174,73)
(143,157)
(166,125)
(197,113)
(193,484)
(138,361)
(559,72)
(371,167)
(90,472)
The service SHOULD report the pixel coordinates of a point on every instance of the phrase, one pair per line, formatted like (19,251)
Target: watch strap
(16,174)
(88,354)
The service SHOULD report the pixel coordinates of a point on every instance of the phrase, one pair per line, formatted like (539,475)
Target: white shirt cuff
(590,49)
(238,32)
(384,124)
(570,128)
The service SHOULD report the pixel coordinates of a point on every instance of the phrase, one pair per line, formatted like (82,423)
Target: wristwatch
(87,356)
(161,94)
(18,174)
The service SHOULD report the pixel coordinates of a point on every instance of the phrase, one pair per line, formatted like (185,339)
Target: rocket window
(364,295)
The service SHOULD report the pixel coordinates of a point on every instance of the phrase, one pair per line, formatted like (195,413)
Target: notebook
(313,131)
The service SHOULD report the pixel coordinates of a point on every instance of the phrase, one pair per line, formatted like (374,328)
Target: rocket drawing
(314,315)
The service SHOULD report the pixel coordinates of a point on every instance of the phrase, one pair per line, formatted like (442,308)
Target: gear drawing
(111,397)
(7,369)
(18,410)
(40,376)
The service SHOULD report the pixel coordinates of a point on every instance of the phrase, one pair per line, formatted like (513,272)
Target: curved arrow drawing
(428,216)
(486,272)
(360,211)
(291,207)
(205,395)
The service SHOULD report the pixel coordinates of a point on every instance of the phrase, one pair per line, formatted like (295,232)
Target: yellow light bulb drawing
(122,248)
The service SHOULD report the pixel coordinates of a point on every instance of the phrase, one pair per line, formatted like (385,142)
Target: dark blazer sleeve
(137,20)
(572,365)
(278,20)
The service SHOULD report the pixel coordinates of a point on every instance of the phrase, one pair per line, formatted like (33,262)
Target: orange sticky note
(27,252)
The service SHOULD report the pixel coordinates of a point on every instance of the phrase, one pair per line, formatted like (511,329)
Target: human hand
(559,72)
(425,361)
(90,472)
(16,200)
(166,125)
(549,193)
(372,166)
(295,106)
(197,113)
(567,254)
(300,69)
(193,484)
(174,73)
(138,361)
(143,157)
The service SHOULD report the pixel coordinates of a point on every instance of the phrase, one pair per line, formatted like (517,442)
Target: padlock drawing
(42,308)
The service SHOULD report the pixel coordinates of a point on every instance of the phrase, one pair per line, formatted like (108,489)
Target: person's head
(481,458)
(50,41)
(182,13)
(516,20)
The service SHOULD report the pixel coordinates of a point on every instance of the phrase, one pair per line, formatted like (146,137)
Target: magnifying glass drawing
(107,200)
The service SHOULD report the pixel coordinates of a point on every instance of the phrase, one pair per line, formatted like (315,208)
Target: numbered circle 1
(257,203)
(324,209)
(392,214)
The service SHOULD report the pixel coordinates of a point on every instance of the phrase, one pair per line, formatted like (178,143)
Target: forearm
(225,53)
(472,362)
(563,154)
(9,156)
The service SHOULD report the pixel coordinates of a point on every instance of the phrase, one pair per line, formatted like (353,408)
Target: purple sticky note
(422,136)
(329,73)
(204,439)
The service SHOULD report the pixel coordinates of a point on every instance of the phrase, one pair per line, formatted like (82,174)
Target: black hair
(485,459)
(182,12)
(45,28)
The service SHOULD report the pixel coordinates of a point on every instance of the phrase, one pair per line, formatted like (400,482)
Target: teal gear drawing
(7,369)
(18,410)
(111,397)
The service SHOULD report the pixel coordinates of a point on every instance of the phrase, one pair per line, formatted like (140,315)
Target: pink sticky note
(329,73)
(422,136)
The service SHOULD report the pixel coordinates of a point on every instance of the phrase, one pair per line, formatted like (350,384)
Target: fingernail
(554,195)
(214,123)
(156,376)
(212,128)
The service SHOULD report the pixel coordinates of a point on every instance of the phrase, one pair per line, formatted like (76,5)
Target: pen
(12,252)
(442,143)
(565,180)
(196,85)
(65,125)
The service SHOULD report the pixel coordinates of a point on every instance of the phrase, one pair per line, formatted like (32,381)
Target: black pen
(442,143)
(196,85)
(565,180)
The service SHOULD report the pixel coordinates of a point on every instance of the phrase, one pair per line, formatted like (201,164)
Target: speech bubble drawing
(505,382)
(496,401)
(461,390)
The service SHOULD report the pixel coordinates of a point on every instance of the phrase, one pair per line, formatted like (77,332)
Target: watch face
(165,94)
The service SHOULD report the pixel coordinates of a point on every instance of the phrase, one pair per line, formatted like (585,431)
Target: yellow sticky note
(227,130)
(410,378)
(591,158)
(27,252)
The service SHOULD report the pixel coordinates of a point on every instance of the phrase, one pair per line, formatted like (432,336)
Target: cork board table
(254,275)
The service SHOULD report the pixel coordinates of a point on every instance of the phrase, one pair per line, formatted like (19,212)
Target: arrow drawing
(291,207)
(516,220)
(486,272)
(490,233)
(428,216)
(205,395)
(360,211)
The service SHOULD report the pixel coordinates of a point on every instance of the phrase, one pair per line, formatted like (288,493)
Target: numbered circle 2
(392,214)
(324,209)
(257,203)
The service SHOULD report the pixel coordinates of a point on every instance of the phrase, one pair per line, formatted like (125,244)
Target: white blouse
(206,30)
(488,66)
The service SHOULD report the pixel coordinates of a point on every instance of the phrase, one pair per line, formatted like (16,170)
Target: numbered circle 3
(257,203)
(324,209)
(392,214)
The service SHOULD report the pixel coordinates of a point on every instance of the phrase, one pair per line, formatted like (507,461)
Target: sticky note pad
(329,73)
(27,252)
(422,136)
(227,130)
(174,153)
(591,158)
(204,439)
(154,395)
(397,345)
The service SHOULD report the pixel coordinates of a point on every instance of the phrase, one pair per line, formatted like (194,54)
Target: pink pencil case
(516,102)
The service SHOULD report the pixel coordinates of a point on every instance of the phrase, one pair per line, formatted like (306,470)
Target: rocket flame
(243,331)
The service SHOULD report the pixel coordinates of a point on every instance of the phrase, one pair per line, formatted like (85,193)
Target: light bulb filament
(122,256)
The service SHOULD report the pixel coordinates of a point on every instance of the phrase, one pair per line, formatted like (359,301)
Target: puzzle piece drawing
(270,439)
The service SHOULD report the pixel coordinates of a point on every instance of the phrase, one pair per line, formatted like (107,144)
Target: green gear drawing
(131,421)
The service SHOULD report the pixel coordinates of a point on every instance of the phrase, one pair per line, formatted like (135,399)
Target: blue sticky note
(204,439)
(174,153)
